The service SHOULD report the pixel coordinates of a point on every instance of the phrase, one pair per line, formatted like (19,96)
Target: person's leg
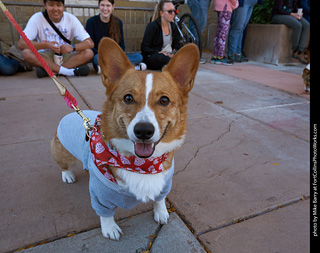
(292,23)
(304,34)
(199,10)
(8,66)
(221,34)
(157,61)
(135,58)
(238,19)
(29,57)
(95,63)
(78,58)
(248,8)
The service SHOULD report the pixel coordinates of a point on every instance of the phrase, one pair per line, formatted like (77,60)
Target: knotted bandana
(103,155)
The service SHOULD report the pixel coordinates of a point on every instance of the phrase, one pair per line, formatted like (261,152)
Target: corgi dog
(129,154)
(306,78)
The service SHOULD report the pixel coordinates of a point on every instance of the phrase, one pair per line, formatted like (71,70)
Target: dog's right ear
(112,60)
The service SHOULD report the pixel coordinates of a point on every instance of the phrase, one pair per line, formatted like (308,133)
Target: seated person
(161,37)
(8,66)
(285,12)
(50,43)
(106,24)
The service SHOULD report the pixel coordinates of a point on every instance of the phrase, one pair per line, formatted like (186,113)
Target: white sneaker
(99,70)
(140,67)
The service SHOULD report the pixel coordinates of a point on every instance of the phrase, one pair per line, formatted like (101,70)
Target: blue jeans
(239,20)
(8,66)
(133,58)
(199,10)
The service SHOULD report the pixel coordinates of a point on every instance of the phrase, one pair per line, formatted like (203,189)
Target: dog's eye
(164,101)
(128,99)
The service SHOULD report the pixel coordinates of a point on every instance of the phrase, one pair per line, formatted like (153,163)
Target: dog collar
(104,155)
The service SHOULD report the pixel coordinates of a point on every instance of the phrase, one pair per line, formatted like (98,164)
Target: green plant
(262,14)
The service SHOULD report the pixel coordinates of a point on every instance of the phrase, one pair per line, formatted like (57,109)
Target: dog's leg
(64,159)
(161,214)
(109,228)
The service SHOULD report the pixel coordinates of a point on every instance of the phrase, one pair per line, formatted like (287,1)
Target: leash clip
(86,121)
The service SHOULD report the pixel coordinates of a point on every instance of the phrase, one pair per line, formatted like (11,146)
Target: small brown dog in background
(306,78)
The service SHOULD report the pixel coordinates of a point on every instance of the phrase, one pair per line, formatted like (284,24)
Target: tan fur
(120,118)
(306,79)
(120,78)
(63,158)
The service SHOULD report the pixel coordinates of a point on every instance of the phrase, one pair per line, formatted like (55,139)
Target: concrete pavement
(241,180)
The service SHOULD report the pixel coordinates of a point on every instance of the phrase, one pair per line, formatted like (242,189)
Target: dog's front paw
(110,229)
(68,177)
(161,214)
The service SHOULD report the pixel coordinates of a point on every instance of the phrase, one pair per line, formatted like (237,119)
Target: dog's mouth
(144,150)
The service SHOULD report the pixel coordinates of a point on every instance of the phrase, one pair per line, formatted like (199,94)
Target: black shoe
(235,58)
(243,58)
(41,72)
(82,70)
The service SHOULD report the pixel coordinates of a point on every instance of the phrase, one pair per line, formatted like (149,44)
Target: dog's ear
(184,65)
(112,60)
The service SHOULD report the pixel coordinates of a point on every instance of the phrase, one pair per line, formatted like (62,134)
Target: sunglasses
(171,11)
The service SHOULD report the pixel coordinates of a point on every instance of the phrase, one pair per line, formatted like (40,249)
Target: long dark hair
(114,26)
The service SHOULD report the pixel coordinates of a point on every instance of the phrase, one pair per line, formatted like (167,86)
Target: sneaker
(97,68)
(299,56)
(221,61)
(243,58)
(203,60)
(82,70)
(140,67)
(41,72)
(235,57)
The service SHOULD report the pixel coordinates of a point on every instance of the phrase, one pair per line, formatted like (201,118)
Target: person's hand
(66,48)
(296,15)
(54,46)
(166,53)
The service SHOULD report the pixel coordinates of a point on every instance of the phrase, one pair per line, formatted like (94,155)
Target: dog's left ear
(184,65)
(112,60)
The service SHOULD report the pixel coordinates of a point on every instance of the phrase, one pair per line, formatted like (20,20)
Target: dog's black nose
(144,131)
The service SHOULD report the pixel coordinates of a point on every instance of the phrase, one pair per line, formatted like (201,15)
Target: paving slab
(246,153)
(235,168)
(35,204)
(176,237)
(290,82)
(140,234)
(282,230)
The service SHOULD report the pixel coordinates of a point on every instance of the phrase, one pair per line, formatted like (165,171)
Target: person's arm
(86,44)
(121,44)
(175,38)
(147,42)
(279,8)
(305,6)
(31,31)
(39,45)
(80,34)
(93,33)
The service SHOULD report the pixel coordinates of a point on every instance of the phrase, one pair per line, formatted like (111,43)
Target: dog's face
(145,113)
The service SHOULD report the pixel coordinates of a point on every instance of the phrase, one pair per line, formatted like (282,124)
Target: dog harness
(104,155)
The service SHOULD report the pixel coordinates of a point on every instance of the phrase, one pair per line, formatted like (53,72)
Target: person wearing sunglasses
(161,37)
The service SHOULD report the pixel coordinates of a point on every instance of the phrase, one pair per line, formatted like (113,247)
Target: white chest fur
(144,186)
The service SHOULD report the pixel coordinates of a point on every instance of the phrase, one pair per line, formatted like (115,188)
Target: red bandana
(103,155)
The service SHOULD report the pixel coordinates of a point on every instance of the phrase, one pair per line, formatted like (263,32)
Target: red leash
(71,101)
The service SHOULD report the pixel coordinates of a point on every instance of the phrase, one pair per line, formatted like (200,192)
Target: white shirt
(69,25)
